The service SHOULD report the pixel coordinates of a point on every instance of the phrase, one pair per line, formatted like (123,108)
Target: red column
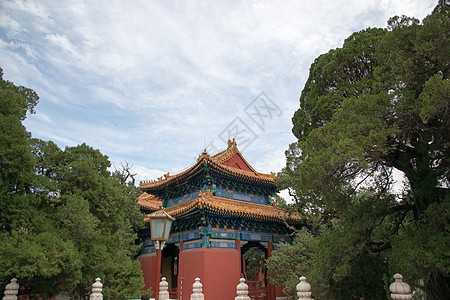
(238,248)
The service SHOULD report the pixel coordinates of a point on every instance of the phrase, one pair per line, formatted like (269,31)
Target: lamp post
(160,223)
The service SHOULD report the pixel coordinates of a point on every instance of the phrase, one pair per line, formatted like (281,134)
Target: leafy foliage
(421,250)
(377,105)
(291,260)
(15,156)
(66,219)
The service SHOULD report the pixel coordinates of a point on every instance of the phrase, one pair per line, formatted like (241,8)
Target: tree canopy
(378,105)
(65,218)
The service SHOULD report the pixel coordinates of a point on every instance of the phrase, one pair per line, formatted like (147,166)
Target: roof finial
(203,154)
(232,143)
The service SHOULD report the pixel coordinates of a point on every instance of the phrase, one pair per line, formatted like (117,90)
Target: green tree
(379,103)
(98,212)
(65,218)
(292,261)
(16,160)
(350,254)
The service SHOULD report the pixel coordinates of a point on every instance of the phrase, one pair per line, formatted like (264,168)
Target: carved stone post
(197,290)
(400,290)
(11,290)
(303,289)
(163,289)
(96,293)
(242,290)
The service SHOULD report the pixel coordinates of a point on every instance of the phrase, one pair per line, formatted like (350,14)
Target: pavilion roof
(228,207)
(232,150)
(149,201)
(216,162)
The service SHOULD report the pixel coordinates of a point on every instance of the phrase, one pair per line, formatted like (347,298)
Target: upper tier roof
(229,162)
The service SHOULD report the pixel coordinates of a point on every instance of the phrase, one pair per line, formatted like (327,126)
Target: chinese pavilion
(225,218)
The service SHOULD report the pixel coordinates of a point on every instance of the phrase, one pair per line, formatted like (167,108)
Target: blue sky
(153,83)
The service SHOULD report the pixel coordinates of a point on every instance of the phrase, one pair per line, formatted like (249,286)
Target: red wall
(217,268)
(148,262)
(219,271)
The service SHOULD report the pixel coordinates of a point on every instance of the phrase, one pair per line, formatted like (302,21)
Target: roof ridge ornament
(206,194)
(203,154)
(232,143)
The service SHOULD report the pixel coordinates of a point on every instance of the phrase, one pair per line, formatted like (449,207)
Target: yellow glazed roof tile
(150,202)
(235,208)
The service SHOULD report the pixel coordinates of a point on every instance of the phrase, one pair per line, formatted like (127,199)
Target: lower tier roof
(223,206)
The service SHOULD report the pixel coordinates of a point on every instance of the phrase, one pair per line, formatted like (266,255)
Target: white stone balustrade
(197,290)
(163,289)
(96,293)
(11,290)
(303,289)
(242,290)
(400,290)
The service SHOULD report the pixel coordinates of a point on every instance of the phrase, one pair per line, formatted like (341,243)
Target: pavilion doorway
(169,267)
(253,263)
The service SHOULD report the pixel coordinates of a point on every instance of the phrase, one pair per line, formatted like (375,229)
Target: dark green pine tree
(65,218)
(379,103)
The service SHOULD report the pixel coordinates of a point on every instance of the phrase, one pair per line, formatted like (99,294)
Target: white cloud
(10,25)
(34,8)
(63,42)
(148,81)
